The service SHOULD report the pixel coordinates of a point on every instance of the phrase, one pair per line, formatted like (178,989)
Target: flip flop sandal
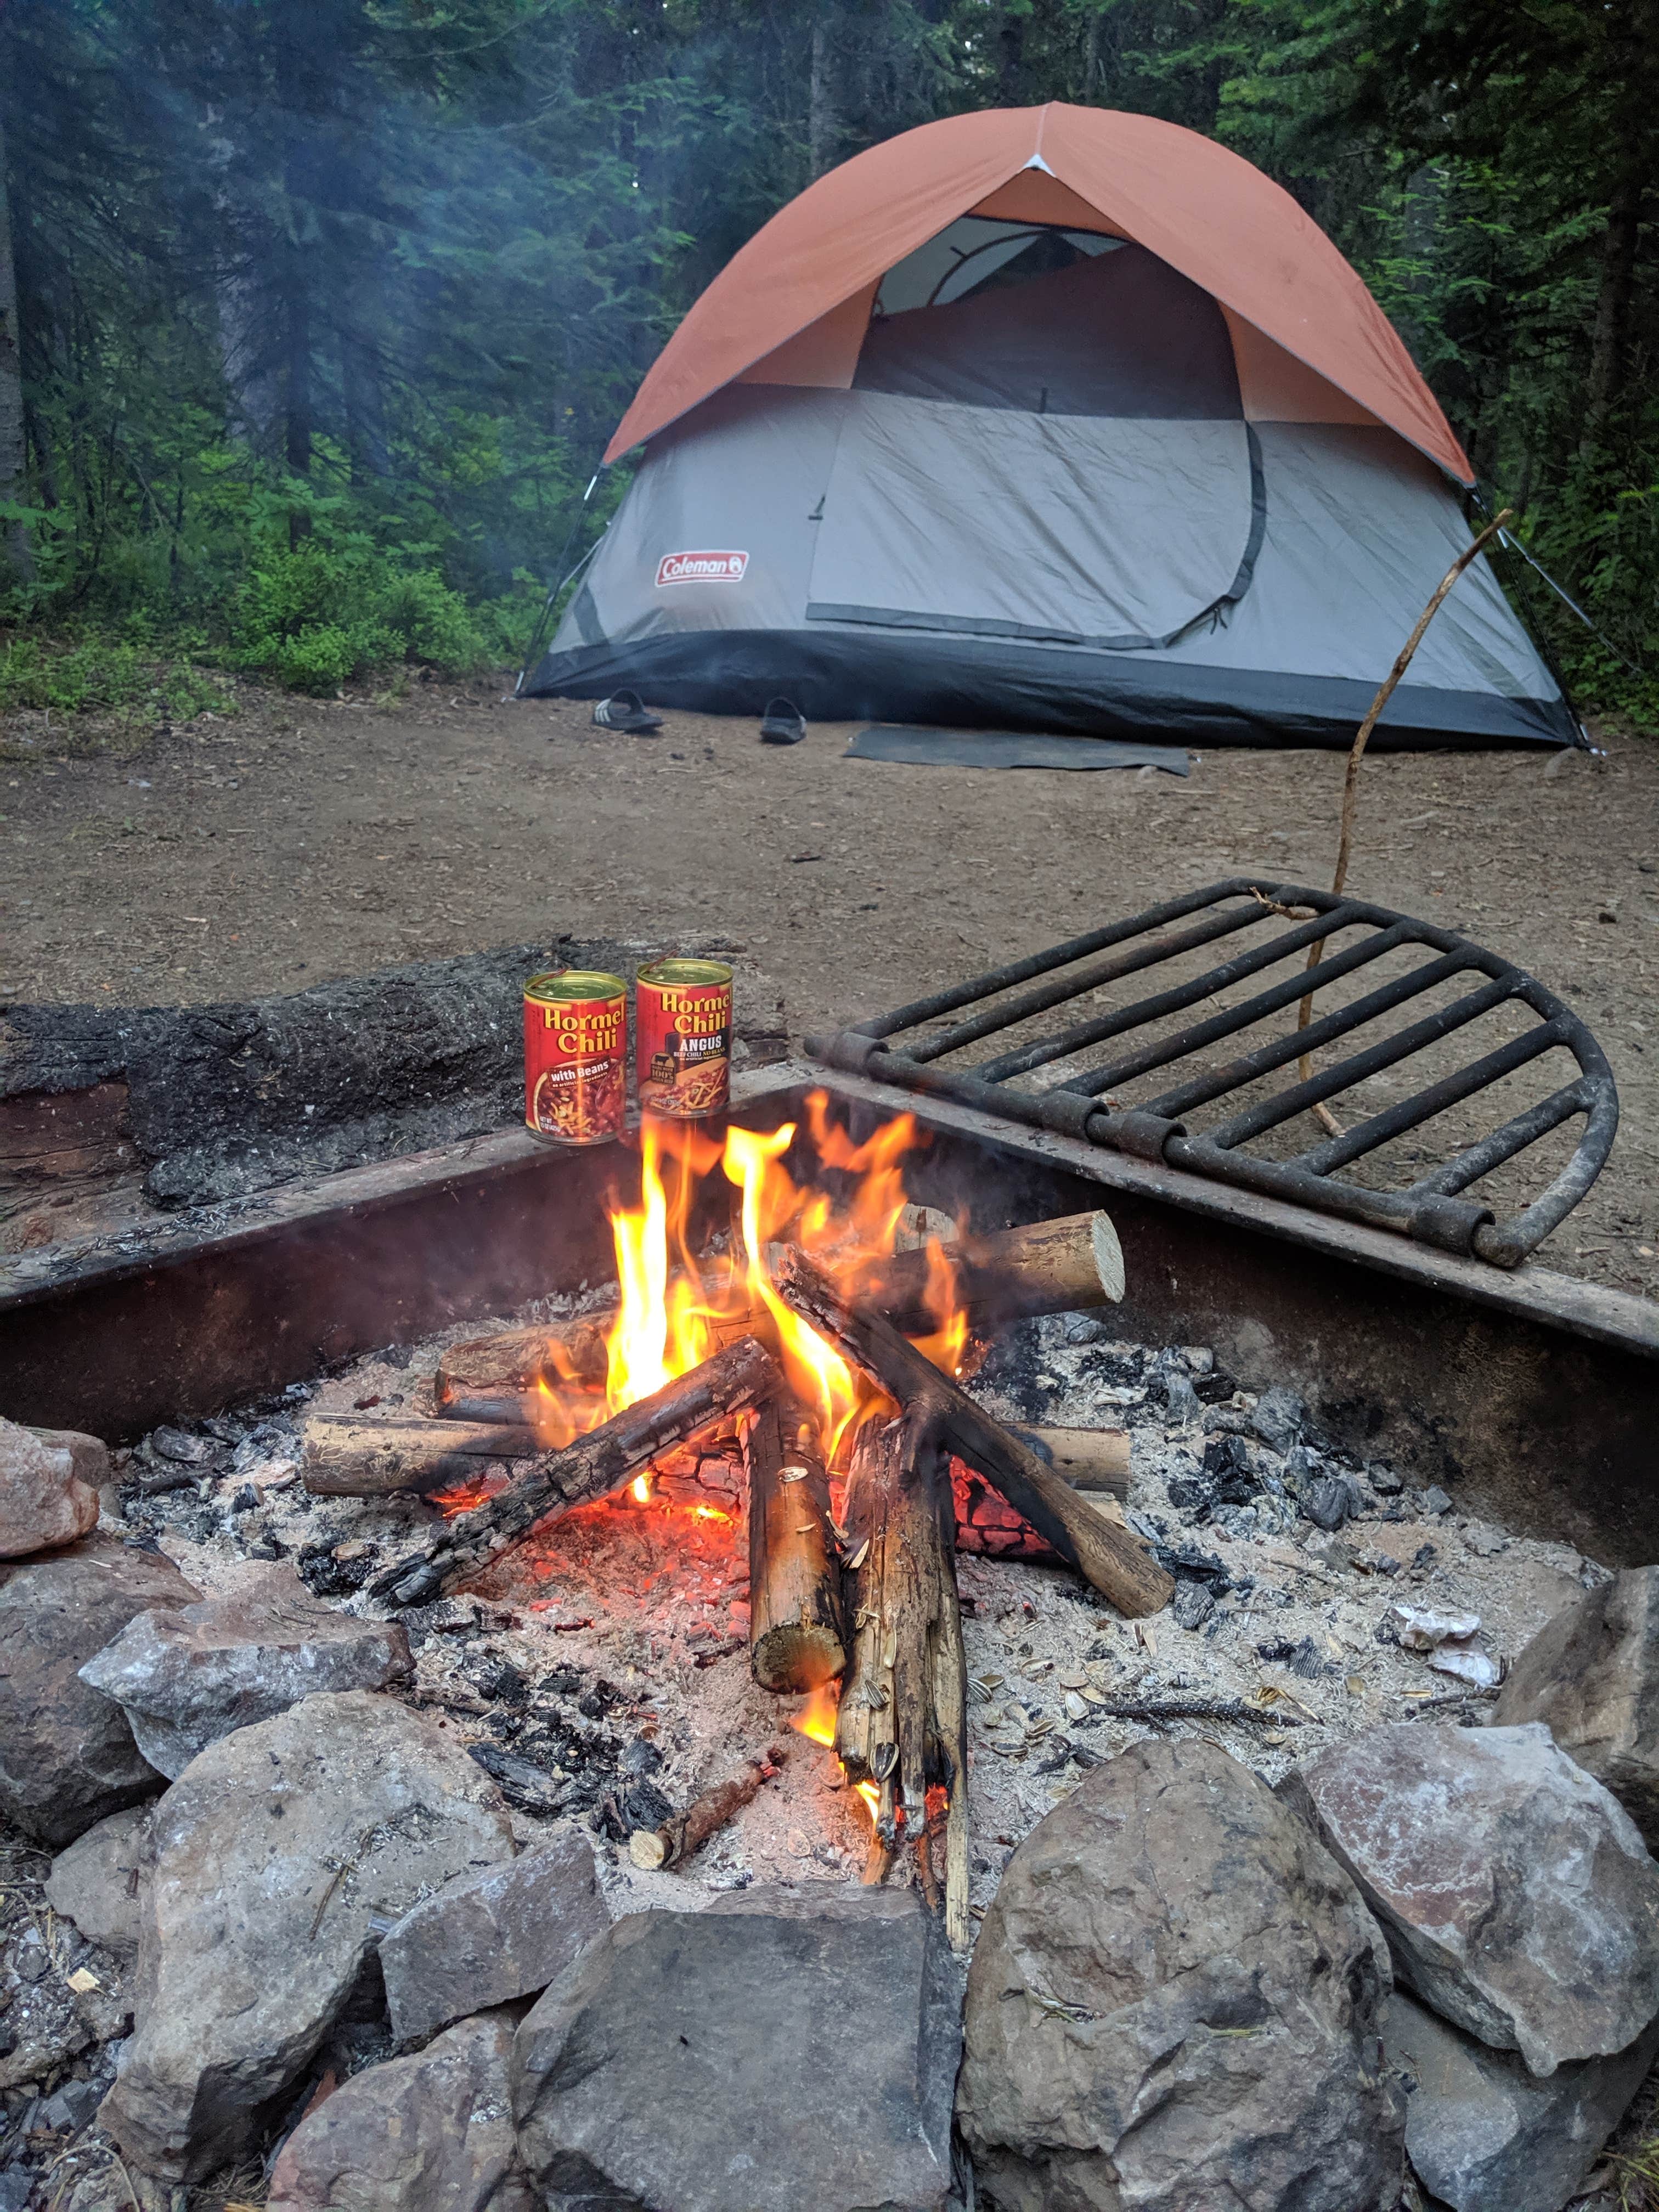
(782,724)
(624,710)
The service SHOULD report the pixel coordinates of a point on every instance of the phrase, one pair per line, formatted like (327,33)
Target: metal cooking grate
(1524,1022)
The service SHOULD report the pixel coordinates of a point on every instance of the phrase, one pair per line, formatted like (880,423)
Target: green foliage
(102,675)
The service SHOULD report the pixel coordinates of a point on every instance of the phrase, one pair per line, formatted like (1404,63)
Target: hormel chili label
(701,569)
(575,1030)
(683,1038)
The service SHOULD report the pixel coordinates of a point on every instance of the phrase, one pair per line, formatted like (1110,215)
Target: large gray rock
(186,1678)
(1518,1897)
(1173,2006)
(1591,1675)
(488,1938)
(67,1756)
(1485,2136)
(96,1882)
(433,2133)
(274,1855)
(792,2050)
(43,1501)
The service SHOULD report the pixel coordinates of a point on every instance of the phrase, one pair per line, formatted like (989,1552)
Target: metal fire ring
(1086,1104)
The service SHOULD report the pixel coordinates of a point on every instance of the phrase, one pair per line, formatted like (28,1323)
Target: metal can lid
(686,974)
(562,984)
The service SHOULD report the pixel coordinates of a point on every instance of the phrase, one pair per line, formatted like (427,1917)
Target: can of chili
(575,1056)
(683,1038)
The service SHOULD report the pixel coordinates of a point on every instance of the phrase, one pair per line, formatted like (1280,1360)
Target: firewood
(743,1375)
(676,1839)
(515,1360)
(903,1722)
(1048,1267)
(796,1628)
(347,1457)
(1089,1459)
(1111,1559)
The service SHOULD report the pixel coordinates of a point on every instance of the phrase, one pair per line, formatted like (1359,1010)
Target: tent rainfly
(1048,418)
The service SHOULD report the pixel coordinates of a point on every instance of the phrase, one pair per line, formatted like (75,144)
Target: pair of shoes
(782,724)
(624,710)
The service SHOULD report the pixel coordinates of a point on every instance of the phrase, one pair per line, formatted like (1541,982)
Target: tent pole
(534,644)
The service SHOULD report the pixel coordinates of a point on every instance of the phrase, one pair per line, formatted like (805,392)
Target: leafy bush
(105,675)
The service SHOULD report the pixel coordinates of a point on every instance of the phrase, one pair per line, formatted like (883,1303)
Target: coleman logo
(701,569)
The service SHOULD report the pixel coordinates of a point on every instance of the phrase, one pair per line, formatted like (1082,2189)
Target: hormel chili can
(683,1038)
(575,1055)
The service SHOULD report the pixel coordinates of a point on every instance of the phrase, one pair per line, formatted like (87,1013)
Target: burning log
(1049,1266)
(348,1457)
(743,1376)
(1089,1459)
(796,1629)
(1109,1558)
(514,1361)
(903,1724)
(676,1839)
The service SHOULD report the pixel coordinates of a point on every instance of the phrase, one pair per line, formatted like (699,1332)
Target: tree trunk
(821,112)
(1605,381)
(14,448)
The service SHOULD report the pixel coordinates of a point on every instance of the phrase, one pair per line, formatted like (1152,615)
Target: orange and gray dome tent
(1048,418)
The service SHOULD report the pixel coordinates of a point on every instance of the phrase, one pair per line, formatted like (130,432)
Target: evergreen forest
(315,315)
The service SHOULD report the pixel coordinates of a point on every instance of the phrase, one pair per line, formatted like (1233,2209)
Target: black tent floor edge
(985,683)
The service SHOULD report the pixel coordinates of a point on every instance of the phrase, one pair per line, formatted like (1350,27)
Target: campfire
(828,1340)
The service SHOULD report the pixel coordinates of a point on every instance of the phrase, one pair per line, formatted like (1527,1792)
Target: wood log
(902,1723)
(516,1360)
(347,1457)
(1062,1266)
(796,1631)
(676,1839)
(743,1376)
(1115,1562)
(1048,1267)
(1089,1459)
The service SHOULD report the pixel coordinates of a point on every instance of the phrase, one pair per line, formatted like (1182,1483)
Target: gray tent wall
(1039,506)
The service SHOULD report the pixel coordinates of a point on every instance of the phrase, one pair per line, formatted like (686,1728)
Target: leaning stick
(742,1376)
(1357,753)
(1063,1266)
(903,1722)
(676,1839)
(796,1628)
(1109,1558)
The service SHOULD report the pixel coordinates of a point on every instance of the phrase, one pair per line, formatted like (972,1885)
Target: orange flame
(816,1720)
(670,1306)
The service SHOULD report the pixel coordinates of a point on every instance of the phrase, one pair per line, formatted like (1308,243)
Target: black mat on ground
(920,748)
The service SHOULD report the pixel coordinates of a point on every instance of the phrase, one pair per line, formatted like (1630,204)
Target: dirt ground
(298,840)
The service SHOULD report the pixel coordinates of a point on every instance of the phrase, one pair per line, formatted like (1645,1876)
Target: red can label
(575,1056)
(683,1038)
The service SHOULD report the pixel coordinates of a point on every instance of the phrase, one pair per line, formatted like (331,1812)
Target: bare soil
(299,840)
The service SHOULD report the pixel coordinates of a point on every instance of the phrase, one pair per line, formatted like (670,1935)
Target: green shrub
(106,676)
(314,615)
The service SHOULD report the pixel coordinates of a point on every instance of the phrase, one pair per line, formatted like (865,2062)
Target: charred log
(902,1723)
(796,1627)
(1109,1558)
(349,1457)
(741,1377)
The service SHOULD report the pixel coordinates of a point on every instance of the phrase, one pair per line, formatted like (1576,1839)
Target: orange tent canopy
(1198,206)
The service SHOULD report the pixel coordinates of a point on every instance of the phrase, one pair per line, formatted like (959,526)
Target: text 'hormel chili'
(575,1055)
(683,1038)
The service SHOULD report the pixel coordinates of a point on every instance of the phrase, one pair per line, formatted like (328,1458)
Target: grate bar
(1432,1208)
(1182,1043)
(1504,1144)
(1411,1113)
(1172,1001)
(1053,994)
(1286,1104)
